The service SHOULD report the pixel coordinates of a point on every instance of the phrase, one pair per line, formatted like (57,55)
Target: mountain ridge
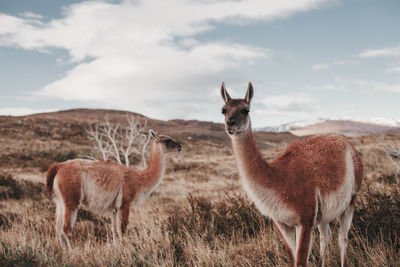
(342,126)
(203,128)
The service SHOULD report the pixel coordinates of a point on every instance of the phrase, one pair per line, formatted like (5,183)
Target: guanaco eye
(245,111)
(224,111)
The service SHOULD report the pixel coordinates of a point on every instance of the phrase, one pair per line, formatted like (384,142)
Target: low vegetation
(226,231)
(198,216)
(17,189)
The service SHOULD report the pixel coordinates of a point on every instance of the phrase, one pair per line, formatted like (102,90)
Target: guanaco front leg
(288,235)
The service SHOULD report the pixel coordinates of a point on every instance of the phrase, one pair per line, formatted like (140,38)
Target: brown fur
(298,166)
(51,173)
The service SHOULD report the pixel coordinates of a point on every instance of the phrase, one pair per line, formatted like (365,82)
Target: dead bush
(378,215)
(16,189)
(97,226)
(232,218)
(7,219)
(41,159)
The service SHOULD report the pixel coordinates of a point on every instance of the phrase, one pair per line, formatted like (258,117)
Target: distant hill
(39,139)
(345,127)
(85,115)
(192,129)
(72,124)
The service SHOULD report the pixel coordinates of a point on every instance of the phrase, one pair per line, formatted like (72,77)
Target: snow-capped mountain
(384,121)
(286,127)
(342,126)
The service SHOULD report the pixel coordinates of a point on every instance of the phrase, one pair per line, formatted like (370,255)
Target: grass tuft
(231,219)
(17,189)
(377,215)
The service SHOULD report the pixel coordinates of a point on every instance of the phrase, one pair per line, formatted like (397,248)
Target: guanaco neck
(250,162)
(154,172)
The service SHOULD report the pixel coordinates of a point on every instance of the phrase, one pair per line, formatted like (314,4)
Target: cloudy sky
(166,59)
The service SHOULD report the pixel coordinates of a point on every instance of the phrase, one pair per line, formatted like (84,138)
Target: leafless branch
(115,142)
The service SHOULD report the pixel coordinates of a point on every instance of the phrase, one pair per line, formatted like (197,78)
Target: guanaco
(309,185)
(104,187)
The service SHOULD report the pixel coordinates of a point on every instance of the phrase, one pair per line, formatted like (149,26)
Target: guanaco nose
(231,122)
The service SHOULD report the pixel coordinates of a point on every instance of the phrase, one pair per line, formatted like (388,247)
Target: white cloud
(393,69)
(320,66)
(328,65)
(340,62)
(144,55)
(383,52)
(288,103)
(340,84)
(330,87)
(31,15)
(374,86)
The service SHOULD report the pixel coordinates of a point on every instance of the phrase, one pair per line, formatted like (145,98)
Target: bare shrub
(41,159)
(23,256)
(7,219)
(94,225)
(387,159)
(378,215)
(232,218)
(17,189)
(114,142)
(392,152)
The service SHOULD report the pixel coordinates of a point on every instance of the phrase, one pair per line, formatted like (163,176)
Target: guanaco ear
(225,96)
(154,135)
(249,94)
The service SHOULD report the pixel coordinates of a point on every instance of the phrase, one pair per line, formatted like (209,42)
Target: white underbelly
(98,200)
(335,203)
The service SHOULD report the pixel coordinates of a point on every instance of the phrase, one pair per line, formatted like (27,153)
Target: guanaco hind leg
(324,231)
(115,225)
(69,220)
(59,223)
(345,223)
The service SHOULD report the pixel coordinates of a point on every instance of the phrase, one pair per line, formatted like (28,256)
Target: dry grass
(199,216)
(227,231)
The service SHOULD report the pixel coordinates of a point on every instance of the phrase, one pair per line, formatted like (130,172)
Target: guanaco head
(168,143)
(236,111)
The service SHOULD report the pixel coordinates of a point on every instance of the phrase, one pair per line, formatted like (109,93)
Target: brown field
(198,216)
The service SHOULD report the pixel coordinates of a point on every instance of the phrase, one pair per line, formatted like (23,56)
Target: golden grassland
(198,216)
